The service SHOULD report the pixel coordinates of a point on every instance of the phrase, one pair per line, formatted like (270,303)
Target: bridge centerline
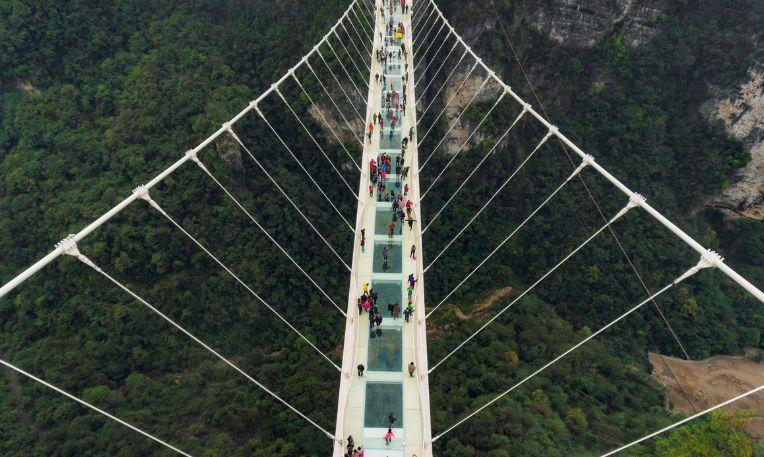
(387,349)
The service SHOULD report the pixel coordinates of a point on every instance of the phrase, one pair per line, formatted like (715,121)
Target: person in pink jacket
(389,436)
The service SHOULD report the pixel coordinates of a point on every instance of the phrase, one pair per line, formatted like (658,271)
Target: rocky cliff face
(582,23)
(743,117)
(338,124)
(463,127)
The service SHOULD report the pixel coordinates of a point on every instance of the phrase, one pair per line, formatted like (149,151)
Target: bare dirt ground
(711,381)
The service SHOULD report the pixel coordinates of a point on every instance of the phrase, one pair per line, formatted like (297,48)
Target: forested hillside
(97,97)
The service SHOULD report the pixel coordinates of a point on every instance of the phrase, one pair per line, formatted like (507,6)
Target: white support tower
(365,402)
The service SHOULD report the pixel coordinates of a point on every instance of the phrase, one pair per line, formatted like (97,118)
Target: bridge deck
(386,350)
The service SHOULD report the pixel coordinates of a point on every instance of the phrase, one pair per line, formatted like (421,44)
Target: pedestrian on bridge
(409,311)
(389,436)
(412,254)
(360,373)
(371,130)
(412,369)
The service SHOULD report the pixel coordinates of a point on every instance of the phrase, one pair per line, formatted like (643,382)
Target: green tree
(720,434)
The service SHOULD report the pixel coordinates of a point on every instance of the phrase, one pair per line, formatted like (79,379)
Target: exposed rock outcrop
(582,23)
(464,126)
(743,117)
(229,151)
(339,125)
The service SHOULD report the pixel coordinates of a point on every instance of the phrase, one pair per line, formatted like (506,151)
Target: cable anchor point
(142,192)
(636,200)
(68,246)
(192,155)
(710,259)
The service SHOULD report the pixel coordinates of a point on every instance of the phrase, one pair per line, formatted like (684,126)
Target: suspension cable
(453,157)
(71,249)
(344,69)
(663,220)
(307,173)
(594,235)
(704,263)
(331,162)
(423,18)
(423,56)
(326,122)
(94,408)
(361,55)
(366,33)
(419,19)
(417,40)
(517,229)
(448,103)
(257,162)
(331,99)
(342,88)
(352,59)
(594,200)
(453,194)
(488,202)
(453,124)
(358,52)
(430,61)
(685,420)
(144,194)
(423,92)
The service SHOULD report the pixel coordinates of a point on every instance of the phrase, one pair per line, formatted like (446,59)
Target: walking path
(386,350)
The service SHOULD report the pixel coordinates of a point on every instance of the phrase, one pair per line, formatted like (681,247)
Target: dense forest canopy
(97,97)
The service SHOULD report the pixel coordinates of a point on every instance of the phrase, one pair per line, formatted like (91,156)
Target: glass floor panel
(382,159)
(385,349)
(393,83)
(383,104)
(389,185)
(391,40)
(383,398)
(393,69)
(389,292)
(394,262)
(382,220)
(388,142)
